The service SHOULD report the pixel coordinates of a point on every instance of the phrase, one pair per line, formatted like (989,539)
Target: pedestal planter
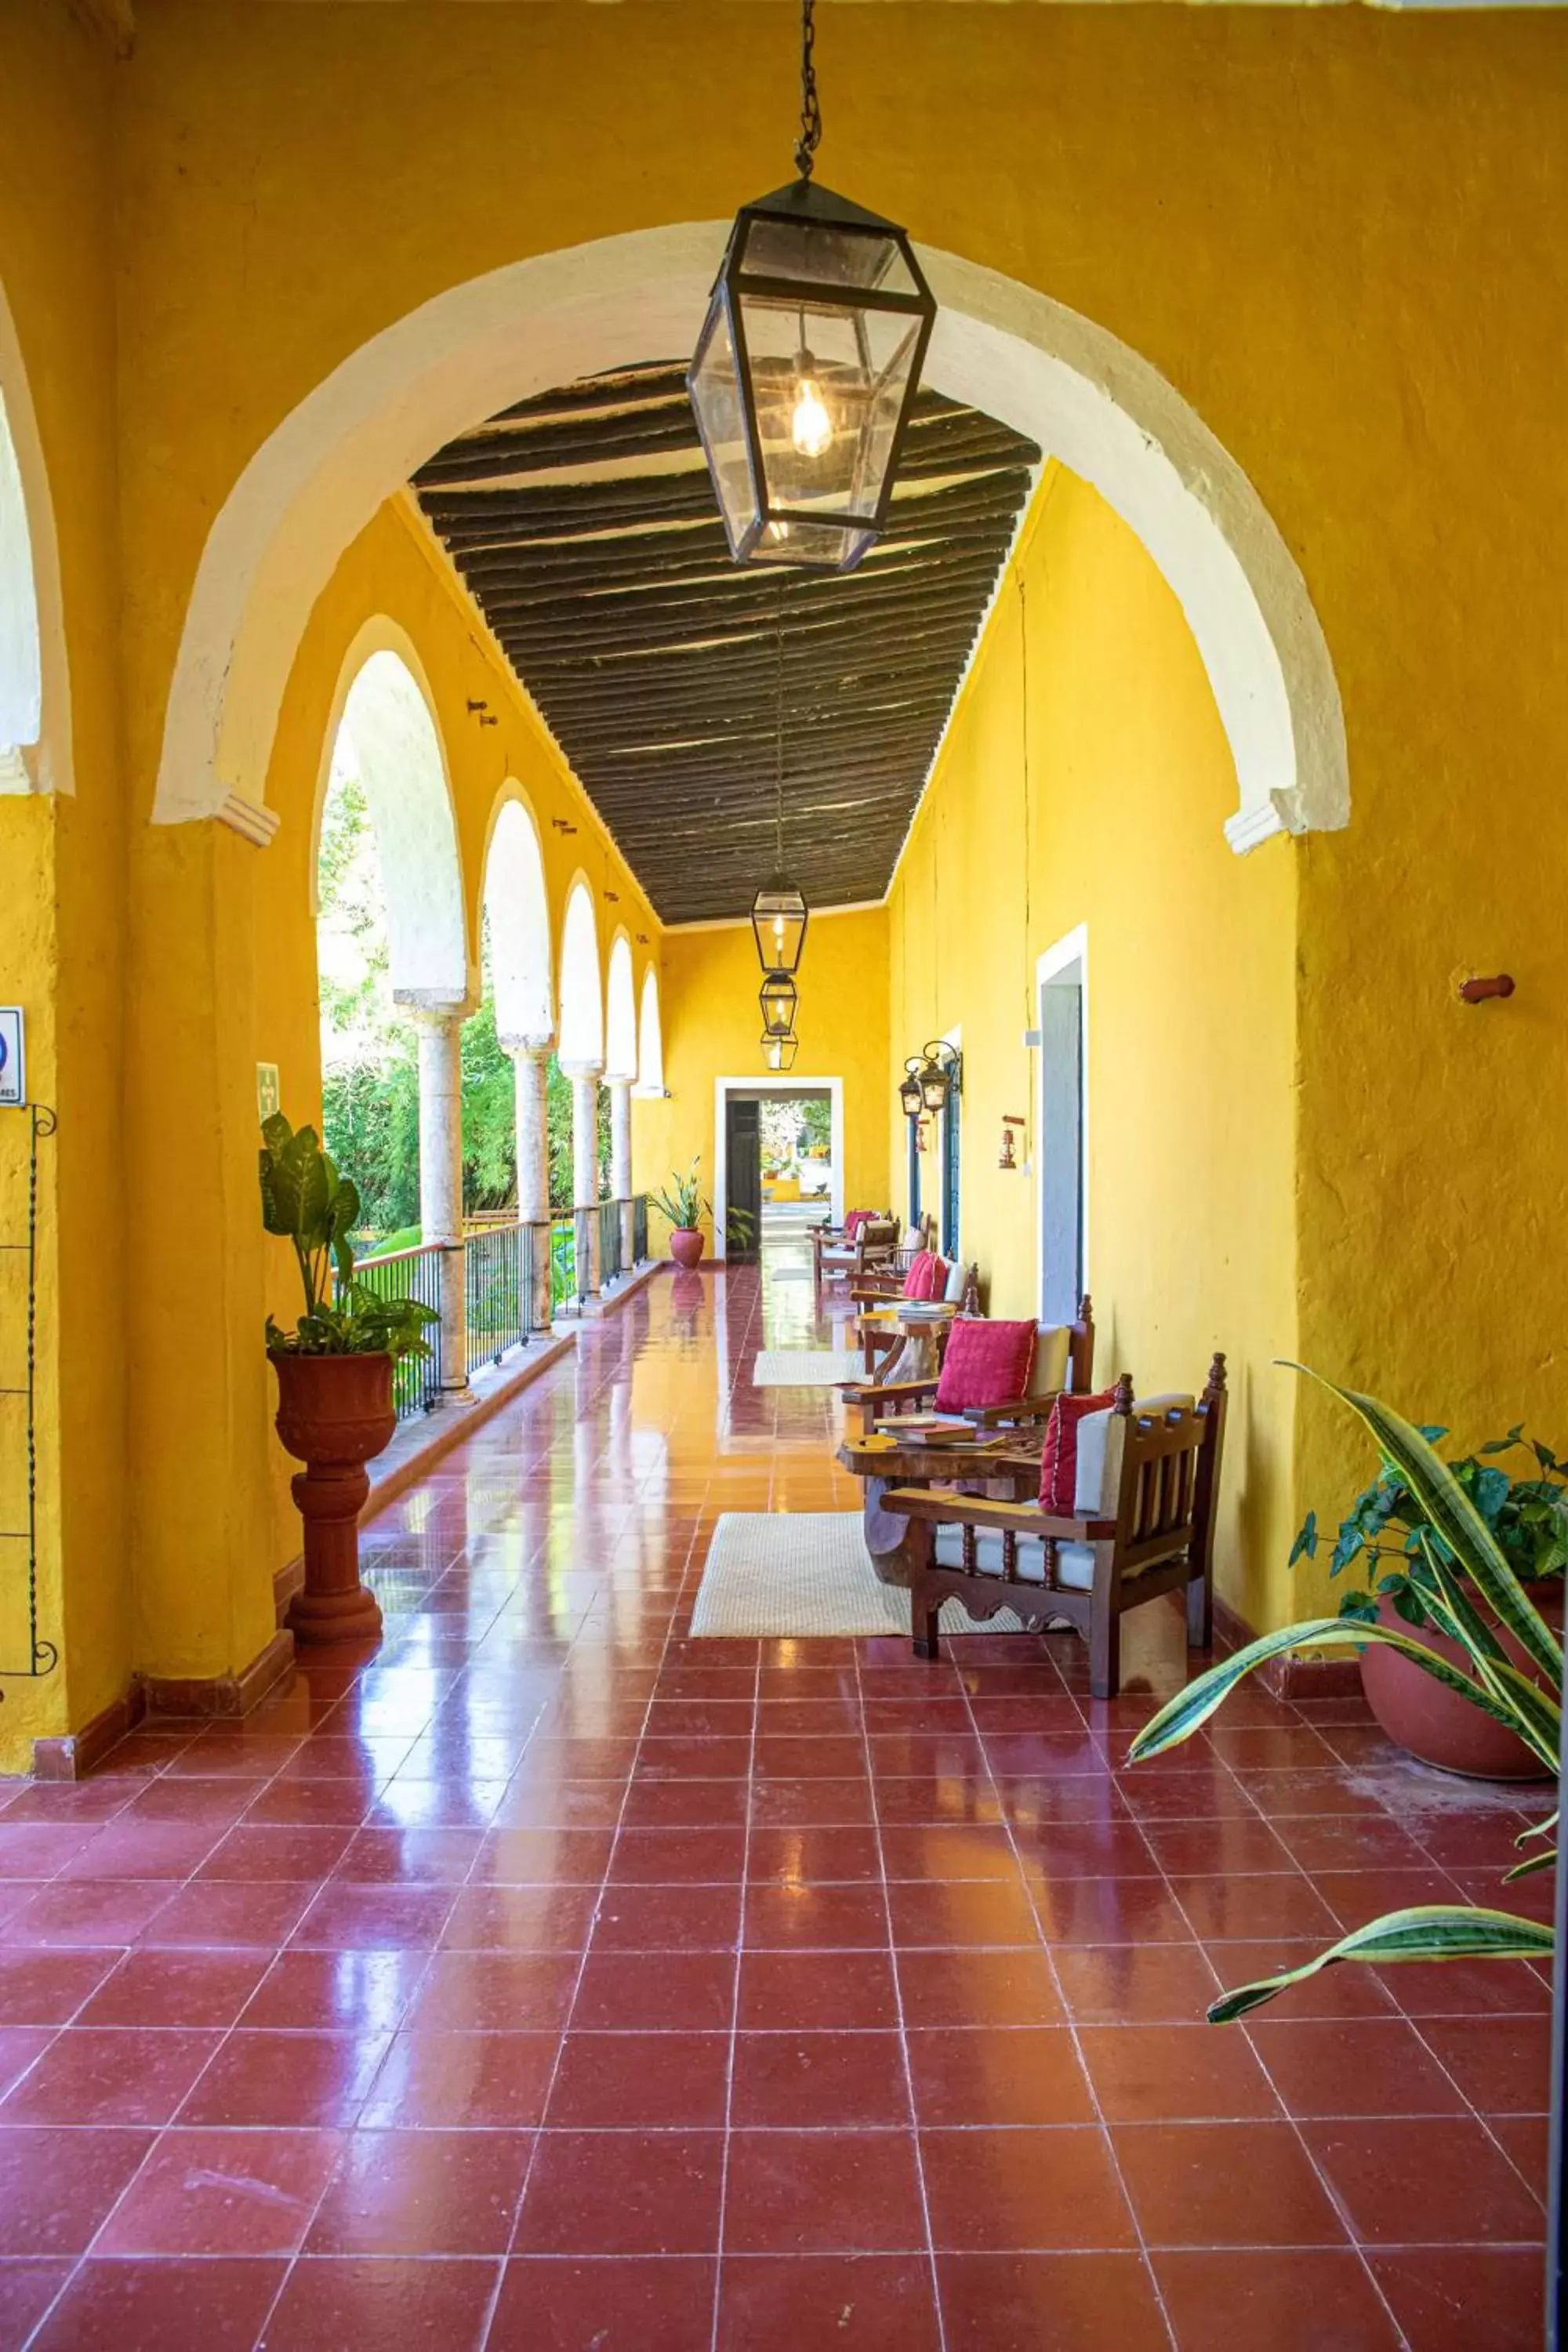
(334,1414)
(686,1244)
(1435,1724)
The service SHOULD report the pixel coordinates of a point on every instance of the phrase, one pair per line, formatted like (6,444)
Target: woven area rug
(796,1575)
(806,1368)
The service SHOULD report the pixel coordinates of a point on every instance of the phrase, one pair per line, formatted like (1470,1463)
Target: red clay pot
(1438,1726)
(334,1413)
(686,1246)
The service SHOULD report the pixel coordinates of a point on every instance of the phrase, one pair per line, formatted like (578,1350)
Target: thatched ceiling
(584,524)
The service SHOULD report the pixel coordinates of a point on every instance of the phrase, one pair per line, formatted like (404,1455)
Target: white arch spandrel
(581,1046)
(35,674)
(386,739)
(621,1013)
(1088,398)
(517,908)
(650,1038)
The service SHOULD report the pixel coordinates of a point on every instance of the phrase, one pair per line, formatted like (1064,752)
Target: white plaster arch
(650,1037)
(581,993)
(620,1011)
(518,907)
(35,670)
(1088,398)
(383,731)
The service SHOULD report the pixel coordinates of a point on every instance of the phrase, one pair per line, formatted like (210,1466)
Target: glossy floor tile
(544,1977)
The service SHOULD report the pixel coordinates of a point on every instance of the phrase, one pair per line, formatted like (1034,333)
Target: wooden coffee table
(918,1325)
(1007,1467)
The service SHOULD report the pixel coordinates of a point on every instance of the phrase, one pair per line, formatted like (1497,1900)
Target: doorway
(1063,1126)
(780,1158)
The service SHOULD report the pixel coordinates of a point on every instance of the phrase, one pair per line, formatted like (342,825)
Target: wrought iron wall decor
(22,1542)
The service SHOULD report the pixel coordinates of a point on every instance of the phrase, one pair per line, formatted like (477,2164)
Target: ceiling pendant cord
(810,110)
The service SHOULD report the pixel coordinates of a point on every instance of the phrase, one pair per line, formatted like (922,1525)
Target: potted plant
(1387,1528)
(334,1375)
(685,1206)
(1471,1594)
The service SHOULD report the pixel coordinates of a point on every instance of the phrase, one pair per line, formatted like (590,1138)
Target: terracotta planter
(334,1414)
(1437,1725)
(686,1246)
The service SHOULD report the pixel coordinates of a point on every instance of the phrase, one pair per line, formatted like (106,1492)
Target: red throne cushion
(926,1278)
(1058,1457)
(986,1364)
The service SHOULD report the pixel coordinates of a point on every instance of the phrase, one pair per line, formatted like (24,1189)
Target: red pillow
(1058,1458)
(986,1364)
(855,1219)
(926,1278)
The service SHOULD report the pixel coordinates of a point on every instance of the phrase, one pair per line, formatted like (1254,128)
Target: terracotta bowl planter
(686,1246)
(334,1413)
(1437,1725)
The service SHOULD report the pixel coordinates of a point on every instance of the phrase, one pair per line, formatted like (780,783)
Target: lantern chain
(810,111)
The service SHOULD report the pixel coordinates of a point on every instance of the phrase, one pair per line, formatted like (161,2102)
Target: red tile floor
(553,1981)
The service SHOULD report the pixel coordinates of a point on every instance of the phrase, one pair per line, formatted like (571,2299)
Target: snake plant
(1457,1562)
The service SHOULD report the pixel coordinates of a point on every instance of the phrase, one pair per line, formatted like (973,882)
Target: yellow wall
(62,909)
(1190,989)
(712,1027)
(1373,328)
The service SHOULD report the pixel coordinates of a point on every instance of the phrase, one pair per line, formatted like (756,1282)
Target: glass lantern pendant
(807,366)
(778,925)
(780,1052)
(777,999)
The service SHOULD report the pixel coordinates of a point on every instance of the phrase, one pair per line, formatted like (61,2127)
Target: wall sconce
(911,1096)
(1008,1157)
(1476,992)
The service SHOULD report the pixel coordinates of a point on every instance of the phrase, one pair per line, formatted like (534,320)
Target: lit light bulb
(811,428)
(775,1055)
(778,930)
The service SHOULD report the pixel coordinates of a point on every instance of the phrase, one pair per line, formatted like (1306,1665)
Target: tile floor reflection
(549,1980)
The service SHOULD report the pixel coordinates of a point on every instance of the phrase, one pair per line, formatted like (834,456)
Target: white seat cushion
(1049,1370)
(957,1278)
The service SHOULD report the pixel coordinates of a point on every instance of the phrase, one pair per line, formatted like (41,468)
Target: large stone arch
(35,674)
(650,1036)
(1088,398)
(383,729)
(517,905)
(581,992)
(620,1010)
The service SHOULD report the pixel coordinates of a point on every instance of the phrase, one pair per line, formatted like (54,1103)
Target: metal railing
(639,1229)
(410,1274)
(612,1230)
(498,1268)
(564,1262)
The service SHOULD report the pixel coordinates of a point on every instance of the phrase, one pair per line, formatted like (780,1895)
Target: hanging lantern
(919,1135)
(909,1093)
(779,917)
(807,366)
(777,998)
(940,1073)
(780,1052)
(1008,1157)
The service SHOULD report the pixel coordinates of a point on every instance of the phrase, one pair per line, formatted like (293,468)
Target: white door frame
(1071,948)
(767,1083)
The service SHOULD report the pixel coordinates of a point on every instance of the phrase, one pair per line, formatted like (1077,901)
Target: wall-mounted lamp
(1476,992)
(938,1071)
(1008,1157)
(911,1096)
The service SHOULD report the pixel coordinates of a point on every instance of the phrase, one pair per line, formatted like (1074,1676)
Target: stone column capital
(432,1011)
(526,1049)
(594,1070)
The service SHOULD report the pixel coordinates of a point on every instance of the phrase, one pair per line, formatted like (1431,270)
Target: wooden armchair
(870,1250)
(1148,1479)
(1064,1358)
(885,1283)
(883,1338)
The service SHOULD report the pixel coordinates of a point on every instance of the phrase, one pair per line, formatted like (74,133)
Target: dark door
(949,1175)
(743,1177)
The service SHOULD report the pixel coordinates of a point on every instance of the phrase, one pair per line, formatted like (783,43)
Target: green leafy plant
(1527,1519)
(1469,1590)
(306,1201)
(684,1205)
